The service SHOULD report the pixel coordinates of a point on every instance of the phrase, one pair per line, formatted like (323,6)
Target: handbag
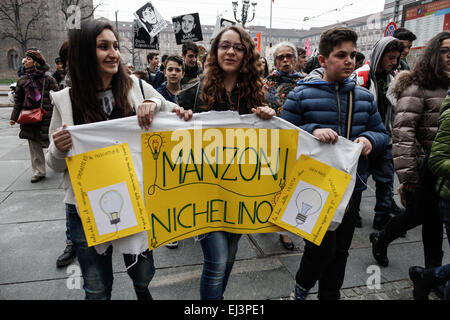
(30,116)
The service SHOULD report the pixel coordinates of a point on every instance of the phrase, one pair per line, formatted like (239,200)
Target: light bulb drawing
(309,202)
(155,143)
(111,203)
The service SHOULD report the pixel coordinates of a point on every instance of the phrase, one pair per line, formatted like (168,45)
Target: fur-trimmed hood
(403,80)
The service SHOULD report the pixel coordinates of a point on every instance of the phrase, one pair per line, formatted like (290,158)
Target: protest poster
(150,19)
(108,195)
(312,194)
(143,40)
(187,27)
(197,181)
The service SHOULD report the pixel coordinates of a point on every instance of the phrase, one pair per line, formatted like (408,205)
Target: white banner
(343,155)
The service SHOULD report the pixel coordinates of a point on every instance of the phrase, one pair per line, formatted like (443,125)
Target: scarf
(33,87)
(280,77)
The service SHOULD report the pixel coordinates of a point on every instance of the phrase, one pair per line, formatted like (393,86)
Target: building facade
(52,27)
(370,29)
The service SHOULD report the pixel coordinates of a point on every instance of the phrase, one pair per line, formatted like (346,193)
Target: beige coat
(415,125)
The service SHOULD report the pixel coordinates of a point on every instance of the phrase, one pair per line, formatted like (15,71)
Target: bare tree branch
(65,4)
(20,20)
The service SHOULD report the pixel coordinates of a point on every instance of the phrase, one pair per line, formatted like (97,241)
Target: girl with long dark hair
(419,95)
(101,90)
(232,81)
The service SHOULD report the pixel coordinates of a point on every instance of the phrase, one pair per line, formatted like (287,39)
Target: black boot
(379,248)
(380,222)
(432,261)
(424,280)
(396,210)
(67,256)
(144,295)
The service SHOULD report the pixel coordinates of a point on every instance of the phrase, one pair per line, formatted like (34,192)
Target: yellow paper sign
(202,180)
(108,195)
(310,199)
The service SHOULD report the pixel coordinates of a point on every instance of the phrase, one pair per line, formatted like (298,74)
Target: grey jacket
(370,81)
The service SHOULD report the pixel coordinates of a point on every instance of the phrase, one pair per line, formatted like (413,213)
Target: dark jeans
(68,240)
(443,272)
(421,209)
(97,268)
(219,252)
(382,169)
(444,211)
(326,263)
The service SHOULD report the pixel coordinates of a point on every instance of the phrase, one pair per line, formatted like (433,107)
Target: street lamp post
(245,6)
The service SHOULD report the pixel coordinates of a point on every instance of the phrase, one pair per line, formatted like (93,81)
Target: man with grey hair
(277,85)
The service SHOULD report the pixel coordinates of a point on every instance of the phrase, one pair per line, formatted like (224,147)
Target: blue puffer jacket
(316,103)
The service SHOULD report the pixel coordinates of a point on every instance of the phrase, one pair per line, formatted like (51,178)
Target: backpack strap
(142,88)
(351,107)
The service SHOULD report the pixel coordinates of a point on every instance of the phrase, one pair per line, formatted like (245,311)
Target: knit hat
(37,56)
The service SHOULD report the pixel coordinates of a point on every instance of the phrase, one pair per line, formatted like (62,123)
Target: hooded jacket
(439,160)
(366,77)
(316,103)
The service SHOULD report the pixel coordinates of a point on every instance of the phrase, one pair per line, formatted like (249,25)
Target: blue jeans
(382,169)
(219,252)
(68,240)
(97,268)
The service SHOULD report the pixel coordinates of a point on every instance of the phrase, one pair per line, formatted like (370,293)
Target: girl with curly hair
(232,78)
(232,81)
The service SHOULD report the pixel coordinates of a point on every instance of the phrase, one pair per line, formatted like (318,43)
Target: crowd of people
(399,114)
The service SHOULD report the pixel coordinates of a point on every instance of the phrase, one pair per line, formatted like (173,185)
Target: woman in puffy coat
(439,163)
(419,95)
(33,90)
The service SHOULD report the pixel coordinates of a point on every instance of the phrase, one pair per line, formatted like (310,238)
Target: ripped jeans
(219,252)
(97,268)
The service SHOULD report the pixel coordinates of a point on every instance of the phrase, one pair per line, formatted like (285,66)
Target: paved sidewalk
(32,226)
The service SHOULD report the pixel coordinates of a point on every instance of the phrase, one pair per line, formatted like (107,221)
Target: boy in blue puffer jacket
(320,105)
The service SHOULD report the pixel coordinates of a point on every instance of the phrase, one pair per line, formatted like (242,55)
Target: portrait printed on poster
(187,28)
(150,19)
(143,40)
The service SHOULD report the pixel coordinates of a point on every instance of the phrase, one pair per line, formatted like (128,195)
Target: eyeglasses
(444,50)
(288,56)
(237,47)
